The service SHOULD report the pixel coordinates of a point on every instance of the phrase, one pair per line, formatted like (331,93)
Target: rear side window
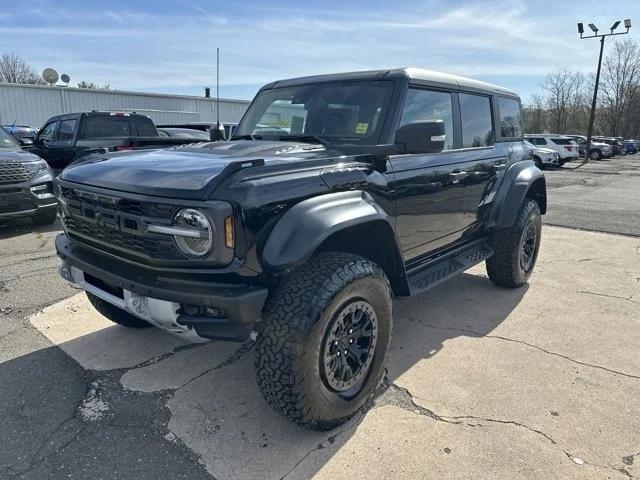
(510,118)
(103,126)
(537,140)
(563,141)
(145,127)
(477,124)
(425,105)
(66,129)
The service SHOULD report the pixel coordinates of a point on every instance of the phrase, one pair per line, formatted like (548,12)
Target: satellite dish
(65,78)
(50,76)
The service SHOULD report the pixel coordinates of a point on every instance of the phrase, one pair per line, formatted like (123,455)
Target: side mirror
(421,137)
(216,132)
(26,142)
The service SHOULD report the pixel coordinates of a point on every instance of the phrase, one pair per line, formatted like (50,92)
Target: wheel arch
(349,222)
(522,180)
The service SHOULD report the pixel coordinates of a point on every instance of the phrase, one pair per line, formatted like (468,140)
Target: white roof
(431,76)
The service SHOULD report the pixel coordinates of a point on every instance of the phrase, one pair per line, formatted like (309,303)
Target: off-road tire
(45,218)
(296,322)
(116,314)
(504,267)
(596,155)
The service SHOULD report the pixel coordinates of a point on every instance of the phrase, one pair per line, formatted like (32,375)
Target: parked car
(566,147)
(598,150)
(21,131)
(228,127)
(26,183)
(184,133)
(616,145)
(543,156)
(632,146)
(65,137)
(303,235)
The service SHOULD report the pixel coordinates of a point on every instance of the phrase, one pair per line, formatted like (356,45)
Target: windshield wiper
(306,138)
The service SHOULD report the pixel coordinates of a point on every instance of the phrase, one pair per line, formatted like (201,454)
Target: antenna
(65,78)
(50,76)
(218,88)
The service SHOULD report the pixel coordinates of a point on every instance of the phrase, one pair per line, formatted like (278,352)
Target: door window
(427,105)
(48,132)
(510,118)
(477,122)
(66,129)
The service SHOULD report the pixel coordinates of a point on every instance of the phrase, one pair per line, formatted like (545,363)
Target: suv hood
(182,172)
(17,156)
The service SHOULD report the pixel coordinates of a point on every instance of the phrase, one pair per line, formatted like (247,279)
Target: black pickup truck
(336,193)
(64,138)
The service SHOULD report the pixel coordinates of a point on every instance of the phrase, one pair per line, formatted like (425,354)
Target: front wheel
(596,155)
(323,345)
(516,248)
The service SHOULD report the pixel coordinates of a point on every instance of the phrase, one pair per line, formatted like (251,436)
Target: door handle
(457,176)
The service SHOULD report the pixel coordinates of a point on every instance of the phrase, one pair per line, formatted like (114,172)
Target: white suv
(566,147)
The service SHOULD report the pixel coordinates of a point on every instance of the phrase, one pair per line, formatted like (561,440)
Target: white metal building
(32,105)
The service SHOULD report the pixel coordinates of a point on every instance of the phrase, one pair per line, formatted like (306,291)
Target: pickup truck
(64,138)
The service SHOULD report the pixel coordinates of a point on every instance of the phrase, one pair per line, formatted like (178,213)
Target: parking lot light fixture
(627,24)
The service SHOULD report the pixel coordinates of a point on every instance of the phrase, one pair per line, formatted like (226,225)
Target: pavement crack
(530,345)
(324,444)
(629,299)
(164,356)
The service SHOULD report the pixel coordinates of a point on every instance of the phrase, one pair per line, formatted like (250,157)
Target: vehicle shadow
(216,408)
(20,226)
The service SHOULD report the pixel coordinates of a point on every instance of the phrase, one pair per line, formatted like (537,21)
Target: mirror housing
(216,132)
(26,143)
(421,137)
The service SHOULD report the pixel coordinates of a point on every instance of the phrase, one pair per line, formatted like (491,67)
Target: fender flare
(517,181)
(303,228)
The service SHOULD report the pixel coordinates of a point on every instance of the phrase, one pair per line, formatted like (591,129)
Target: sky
(170,46)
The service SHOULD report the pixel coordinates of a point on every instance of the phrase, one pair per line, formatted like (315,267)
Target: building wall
(32,105)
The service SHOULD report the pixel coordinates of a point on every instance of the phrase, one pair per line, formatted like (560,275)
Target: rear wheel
(596,155)
(324,342)
(116,314)
(516,248)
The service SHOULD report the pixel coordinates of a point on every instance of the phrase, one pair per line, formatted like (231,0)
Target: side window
(105,126)
(477,124)
(426,105)
(145,127)
(48,132)
(510,118)
(66,129)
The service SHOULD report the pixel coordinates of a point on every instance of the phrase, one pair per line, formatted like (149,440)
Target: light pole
(627,25)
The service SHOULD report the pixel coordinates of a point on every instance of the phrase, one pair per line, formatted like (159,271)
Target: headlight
(193,232)
(36,167)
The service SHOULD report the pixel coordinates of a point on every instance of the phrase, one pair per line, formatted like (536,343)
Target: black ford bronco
(336,193)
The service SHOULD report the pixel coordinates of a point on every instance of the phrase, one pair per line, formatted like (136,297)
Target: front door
(429,189)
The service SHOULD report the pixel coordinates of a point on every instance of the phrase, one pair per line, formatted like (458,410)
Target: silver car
(543,156)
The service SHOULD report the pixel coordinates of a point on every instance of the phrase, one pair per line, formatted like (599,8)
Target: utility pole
(627,24)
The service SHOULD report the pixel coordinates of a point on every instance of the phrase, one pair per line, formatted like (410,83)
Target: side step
(448,265)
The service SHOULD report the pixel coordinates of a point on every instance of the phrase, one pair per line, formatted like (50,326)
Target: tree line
(14,69)
(564,103)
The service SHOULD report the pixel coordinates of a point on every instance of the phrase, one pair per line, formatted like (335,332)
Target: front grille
(14,204)
(111,222)
(14,173)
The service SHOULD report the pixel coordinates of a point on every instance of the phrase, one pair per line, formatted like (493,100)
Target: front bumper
(18,200)
(187,305)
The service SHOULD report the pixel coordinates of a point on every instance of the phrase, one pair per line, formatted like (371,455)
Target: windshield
(6,141)
(339,112)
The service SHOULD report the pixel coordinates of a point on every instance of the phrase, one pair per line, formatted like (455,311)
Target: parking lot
(483,382)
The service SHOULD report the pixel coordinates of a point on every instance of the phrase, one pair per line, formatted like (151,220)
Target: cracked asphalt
(540,382)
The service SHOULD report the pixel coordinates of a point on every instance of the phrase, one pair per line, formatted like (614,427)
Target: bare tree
(562,87)
(535,115)
(93,86)
(620,86)
(13,69)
